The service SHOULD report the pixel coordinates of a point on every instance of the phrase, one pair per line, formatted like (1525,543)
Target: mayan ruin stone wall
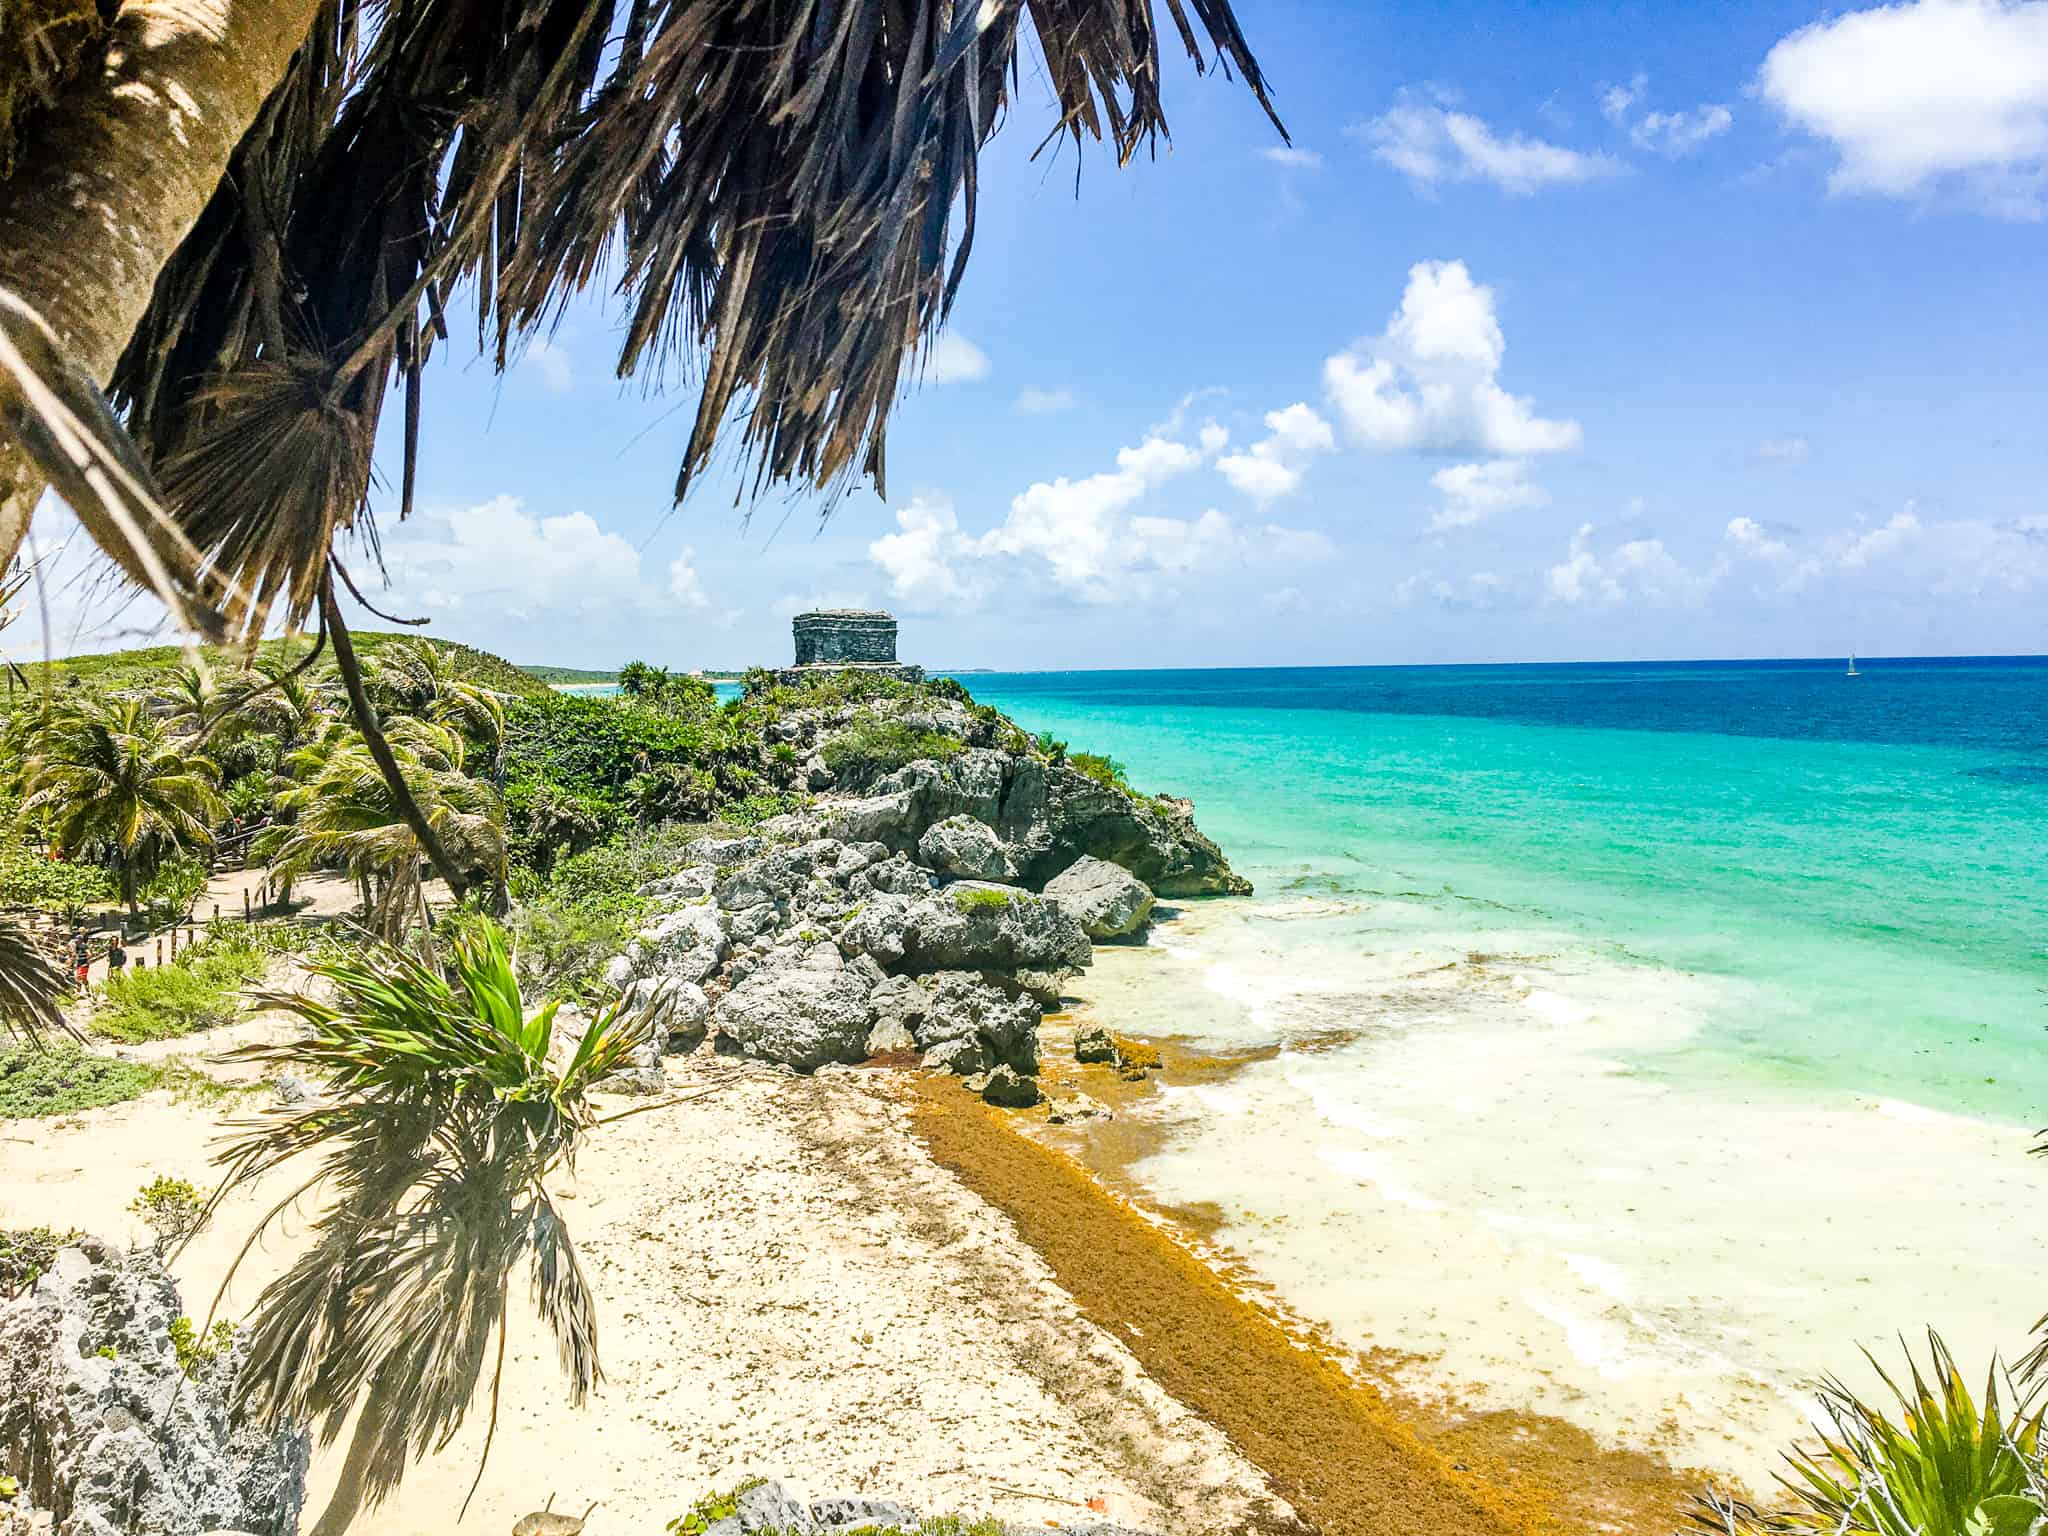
(845,638)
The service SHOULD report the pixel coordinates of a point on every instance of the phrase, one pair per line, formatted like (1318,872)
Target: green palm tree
(341,814)
(190,701)
(422,679)
(440,1122)
(105,773)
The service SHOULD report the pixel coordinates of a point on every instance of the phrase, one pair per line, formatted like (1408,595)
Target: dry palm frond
(31,988)
(278,466)
(60,417)
(443,1117)
(781,178)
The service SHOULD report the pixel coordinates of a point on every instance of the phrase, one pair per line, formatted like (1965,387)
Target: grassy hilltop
(145,666)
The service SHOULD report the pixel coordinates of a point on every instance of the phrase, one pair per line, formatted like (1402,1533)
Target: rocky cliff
(104,1429)
(933,908)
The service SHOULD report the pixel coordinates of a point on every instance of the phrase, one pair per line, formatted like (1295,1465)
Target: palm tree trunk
(380,749)
(116,170)
(128,882)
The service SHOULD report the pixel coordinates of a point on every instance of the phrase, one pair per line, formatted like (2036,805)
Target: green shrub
(754,809)
(1049,746)
(981,901)
(195,1349)
(872,748)
(168,894)
(712,1508)
(28,879)
(201,989)
(1106,771)
(25,1254)
(64,1080)
(171,1208)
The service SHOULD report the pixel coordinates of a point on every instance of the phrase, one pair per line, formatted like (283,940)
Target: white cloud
(1880,542)
(550,362)
(498,555)
(1045,402)
(1480,590)
(684,584)
(1636,570)
(1920,96)
(1081,539)
(1784,450)
(1429,382)
(1294,157)
(791,604)
(1475,492)
(1671,134)
(1285,600)
(1432,144)
(1751,538)
(953,359)
(1273,467)
(928,560)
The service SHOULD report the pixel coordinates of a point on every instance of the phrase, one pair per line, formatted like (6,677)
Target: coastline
(1353,1449)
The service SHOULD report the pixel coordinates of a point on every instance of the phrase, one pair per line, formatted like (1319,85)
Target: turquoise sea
(1671,1027)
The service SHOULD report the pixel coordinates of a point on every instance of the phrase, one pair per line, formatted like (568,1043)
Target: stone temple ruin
(848,640)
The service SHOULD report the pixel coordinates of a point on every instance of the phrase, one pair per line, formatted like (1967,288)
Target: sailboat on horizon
(1852,672)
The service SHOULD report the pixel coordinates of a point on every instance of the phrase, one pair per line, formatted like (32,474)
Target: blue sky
(1562,332)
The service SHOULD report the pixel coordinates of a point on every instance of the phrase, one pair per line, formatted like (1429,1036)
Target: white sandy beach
(787,1287)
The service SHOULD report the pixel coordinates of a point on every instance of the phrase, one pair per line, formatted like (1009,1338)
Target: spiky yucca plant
(440,1121)
(1944,1466)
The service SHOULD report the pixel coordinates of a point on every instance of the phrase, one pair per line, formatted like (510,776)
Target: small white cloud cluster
(953,359)
(1273,466)
(1635,569)
(1430,383)
(1430,144)
(1670,134)
(1925,96)
(1079,539)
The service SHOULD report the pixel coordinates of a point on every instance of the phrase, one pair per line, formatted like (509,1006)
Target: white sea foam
(1366,1169)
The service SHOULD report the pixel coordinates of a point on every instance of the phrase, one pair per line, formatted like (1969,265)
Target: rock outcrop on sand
(1108,900)
(107,1435)
(934,909)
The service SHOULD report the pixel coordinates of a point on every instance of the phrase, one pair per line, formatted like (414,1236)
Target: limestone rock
(1093,1043)
(970,849)
(983,927)
(1009,1089)
(1110,901)
(683,946)
(965,1006)
(799,1018)
(1078,1109)
(130,1444)
(677,1011)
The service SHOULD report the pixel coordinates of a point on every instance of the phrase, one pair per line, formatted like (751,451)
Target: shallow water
(1651,1036)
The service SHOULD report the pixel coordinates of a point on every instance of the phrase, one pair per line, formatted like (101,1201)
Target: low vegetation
(201,989)
(63,1079)
(25,1254)
(173,1209)
(877,746)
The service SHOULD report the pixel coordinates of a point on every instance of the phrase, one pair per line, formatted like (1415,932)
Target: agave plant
(1945,1466)
(442,1117)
